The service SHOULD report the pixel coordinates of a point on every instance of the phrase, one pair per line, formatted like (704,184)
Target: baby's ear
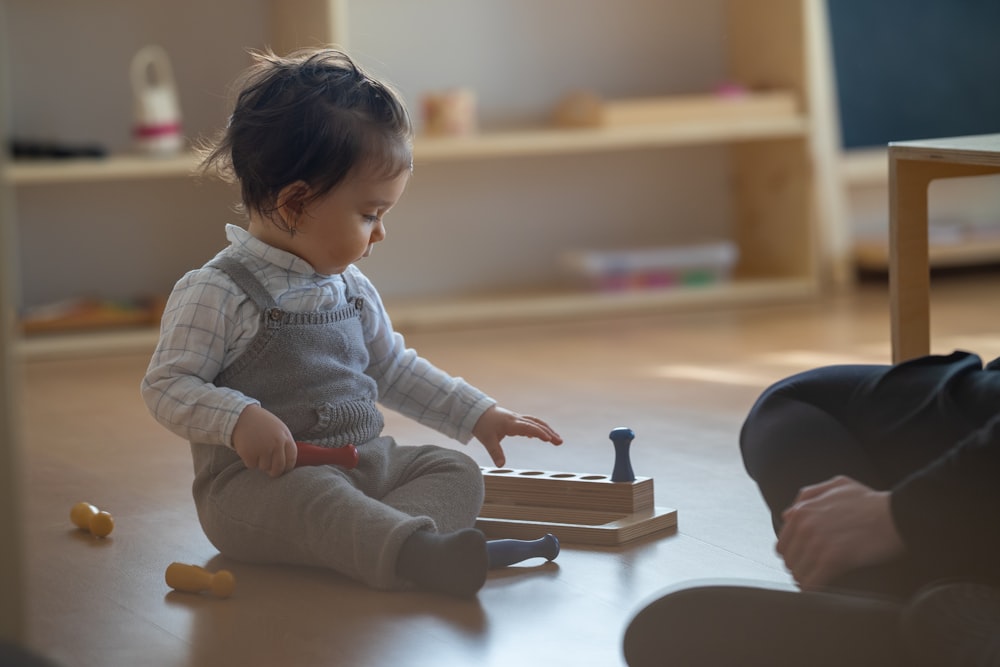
(292,203)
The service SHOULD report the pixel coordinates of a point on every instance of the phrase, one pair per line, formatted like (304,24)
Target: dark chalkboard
(915,69)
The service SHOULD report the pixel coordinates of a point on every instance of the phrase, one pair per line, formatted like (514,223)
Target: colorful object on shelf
(88,313)
(194,579)
(87,517)
(727,102)
(450,113)
(157,123)
(643,268)
(579,108)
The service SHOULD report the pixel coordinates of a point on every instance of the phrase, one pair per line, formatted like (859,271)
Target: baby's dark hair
(312,116)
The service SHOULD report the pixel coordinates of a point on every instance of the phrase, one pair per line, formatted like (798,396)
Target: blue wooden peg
(502,553)
(622,437)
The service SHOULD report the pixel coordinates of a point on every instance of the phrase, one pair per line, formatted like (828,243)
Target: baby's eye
(371,219)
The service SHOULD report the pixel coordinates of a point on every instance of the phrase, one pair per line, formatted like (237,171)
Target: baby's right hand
(264,442)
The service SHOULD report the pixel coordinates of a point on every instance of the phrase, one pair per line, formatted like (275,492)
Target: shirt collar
(246,243)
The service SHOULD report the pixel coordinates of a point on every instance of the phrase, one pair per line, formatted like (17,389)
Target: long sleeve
(209,322)
(412,385)
(948,513)
(192,349)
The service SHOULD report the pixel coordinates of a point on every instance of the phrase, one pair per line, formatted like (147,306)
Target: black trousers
(877,424)
(944,625)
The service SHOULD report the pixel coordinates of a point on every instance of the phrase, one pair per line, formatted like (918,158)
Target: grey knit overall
(308,369)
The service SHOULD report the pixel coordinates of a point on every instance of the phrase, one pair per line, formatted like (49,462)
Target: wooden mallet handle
(507,552)
(194,579)
(314,455)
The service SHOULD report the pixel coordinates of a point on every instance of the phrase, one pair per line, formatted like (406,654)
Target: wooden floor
(682,382)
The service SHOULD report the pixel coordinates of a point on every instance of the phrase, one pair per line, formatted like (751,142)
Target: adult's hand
(834,527)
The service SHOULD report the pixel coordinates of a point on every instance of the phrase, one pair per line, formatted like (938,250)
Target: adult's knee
(669,627)
(704,626)
(767,625)
(763,432)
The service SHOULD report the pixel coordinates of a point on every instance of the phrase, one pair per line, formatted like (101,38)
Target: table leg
(909,262)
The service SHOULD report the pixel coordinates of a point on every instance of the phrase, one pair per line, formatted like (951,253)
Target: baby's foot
(452,563)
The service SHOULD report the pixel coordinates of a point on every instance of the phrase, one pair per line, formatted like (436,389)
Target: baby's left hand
(497,423)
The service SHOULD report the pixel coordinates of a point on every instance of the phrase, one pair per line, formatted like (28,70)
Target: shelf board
(89,343)
(581,140)
(409,315)
(874,255)
(865,167)
(112,168)
(481,146)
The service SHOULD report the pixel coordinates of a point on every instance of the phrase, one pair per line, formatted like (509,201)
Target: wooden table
(912,167)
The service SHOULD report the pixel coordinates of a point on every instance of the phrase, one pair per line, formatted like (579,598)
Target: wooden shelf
(112,168)
(531,142)
(770,177)
(874,255)
(562,141)
(410,315)
(865,167)
(67,345)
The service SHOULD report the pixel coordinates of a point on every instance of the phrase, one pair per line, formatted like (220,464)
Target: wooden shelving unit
(778,165)
(522,143)
(776,170)
(864,167)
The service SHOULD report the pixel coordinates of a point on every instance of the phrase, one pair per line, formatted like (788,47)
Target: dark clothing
(927,429)
(747,626)
(944,625)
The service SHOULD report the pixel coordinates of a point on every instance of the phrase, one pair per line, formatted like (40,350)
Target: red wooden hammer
(314,455)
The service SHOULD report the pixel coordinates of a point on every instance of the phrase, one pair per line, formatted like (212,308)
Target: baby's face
(341,227)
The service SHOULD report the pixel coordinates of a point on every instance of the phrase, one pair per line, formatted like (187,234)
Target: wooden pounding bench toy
(575,507)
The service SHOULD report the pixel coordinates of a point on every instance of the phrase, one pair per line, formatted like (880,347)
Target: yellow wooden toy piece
(87,517)
(195,579)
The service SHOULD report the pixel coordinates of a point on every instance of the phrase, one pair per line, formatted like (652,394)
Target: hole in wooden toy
(594,477)
(498,471)
(563,475)
(531,472)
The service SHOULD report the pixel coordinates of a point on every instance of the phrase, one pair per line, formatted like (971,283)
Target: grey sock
(452,563)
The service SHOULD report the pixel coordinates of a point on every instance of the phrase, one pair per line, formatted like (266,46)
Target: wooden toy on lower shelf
(575,507)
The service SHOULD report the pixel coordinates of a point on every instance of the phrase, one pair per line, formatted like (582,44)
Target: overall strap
(352,293)
(245,280)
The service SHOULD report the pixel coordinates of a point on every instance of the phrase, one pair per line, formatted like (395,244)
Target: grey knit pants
(351,521)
